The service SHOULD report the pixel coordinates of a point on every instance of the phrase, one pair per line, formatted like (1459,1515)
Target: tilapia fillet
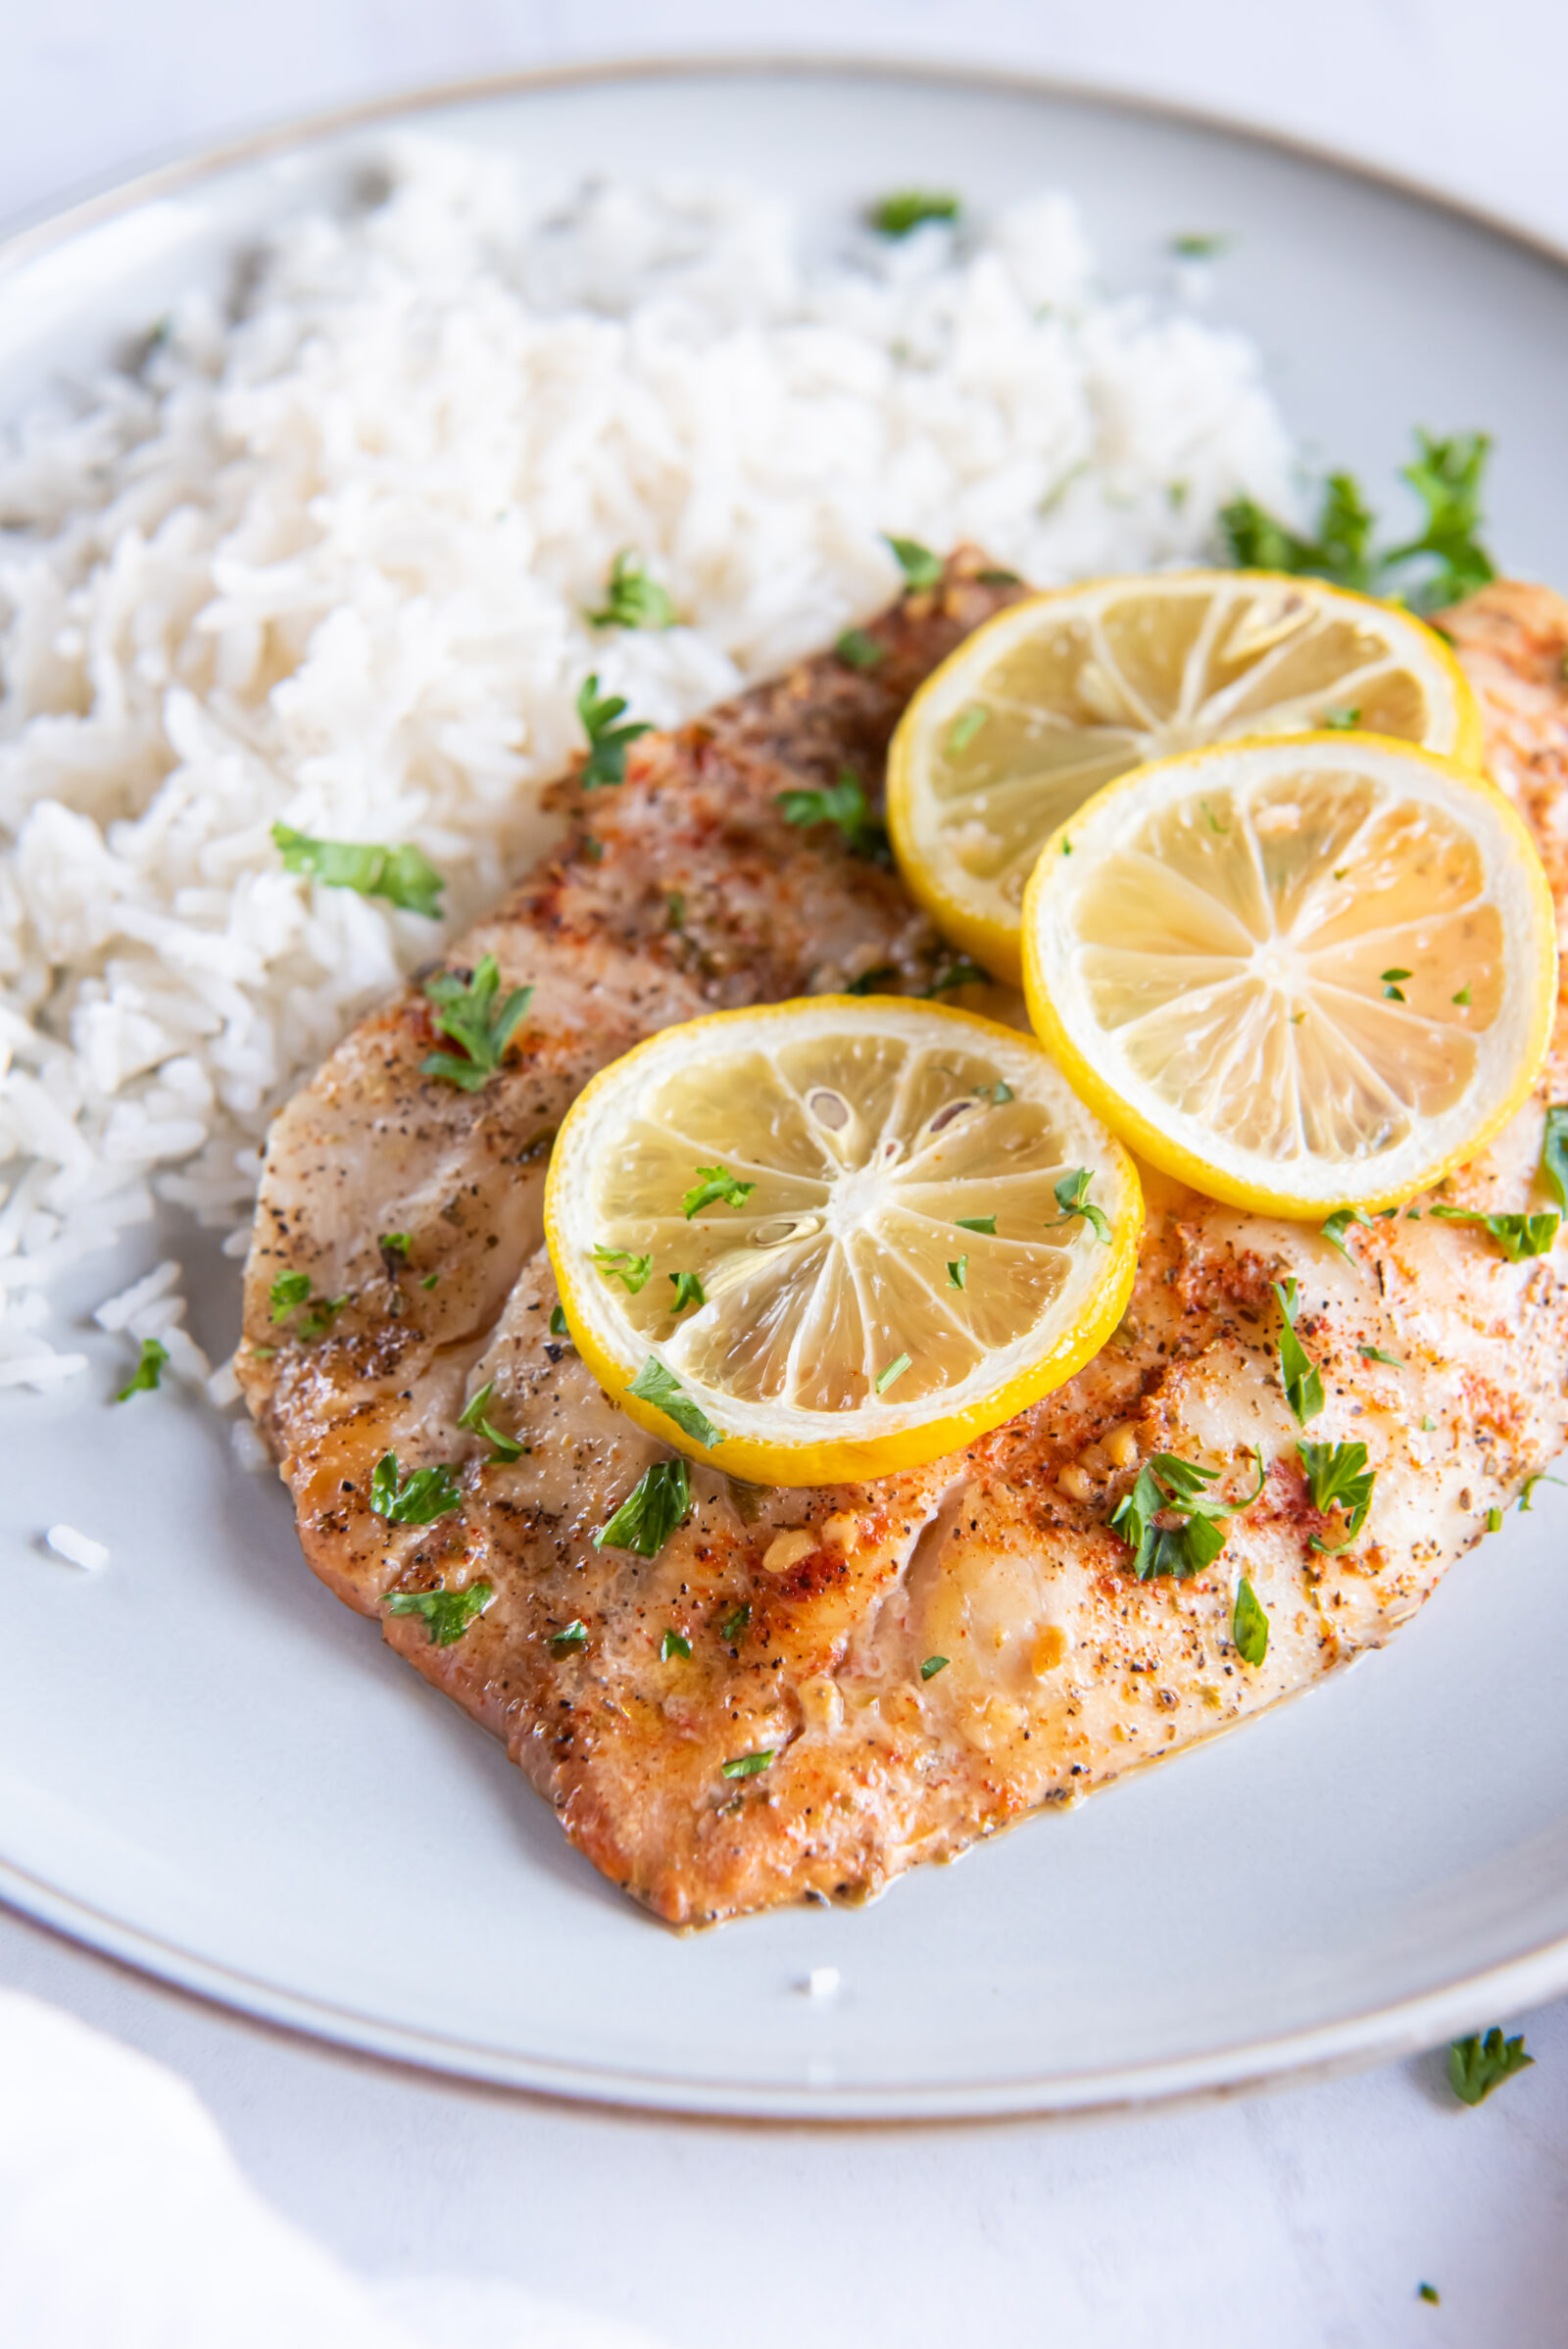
(809,1612)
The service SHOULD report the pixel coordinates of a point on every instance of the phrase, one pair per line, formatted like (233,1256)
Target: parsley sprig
(447,1613)
(1072,1197)
(715,1184)
(143,1379)
(1339,1478)
(1169,1484)
(404,875)
(1442,563)
(632,599)
(650,1513)
(607,741)
(843,803)
(1300,1375)
(417,1498)
(465,1011)
(620,1264)
(1335,1226)
(1477,2065)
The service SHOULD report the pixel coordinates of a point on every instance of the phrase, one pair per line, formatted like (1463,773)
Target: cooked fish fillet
(809,1613)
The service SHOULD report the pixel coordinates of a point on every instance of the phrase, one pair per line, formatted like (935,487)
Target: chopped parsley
(466,1010)
(1338,1224)
(558,1322)
(1249,1624)
(1528,1488)
(1462,999)
(910,207)
(143,1379)
(843,803)
(632,601)
(1553,1170)
(688,1291)
(747,1765)
(430,1280)
(733,1625)
(932,1666)
(858,649)
(984,1224)
(1516,1235)
(1341,721)
(475,1417)
(1300,1375)
(1072,1197)
(1198,245)
(1477,2065)
(608,741)
(715,1184)
(958,1272)
(404,875)
(921,567)
(998,1093)
(964,729)
(1339,1478)
(962,973)
(447,1613)
(1375,1354)
(288,1293)
(1429,2291)
(870,981)
(419,1498)
(1167,1483)
(396,1243)
(575,1634)
(672,1645)
(1494,1521)
(650,1513)
(895,1370)
(655,1385)
(620,1264)
(675,909)
(1443,562)
(1393,992)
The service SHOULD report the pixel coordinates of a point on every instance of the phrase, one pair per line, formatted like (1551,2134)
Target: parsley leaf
(1338,1224)
(655,1385)
(419,1498)
(474,1416)
(674,1643)
(1197,245)
(747,1765)
(895,1370)
(733,1625)
(466,1010)
(910,207)
(632,601)
(921,567)
(1477,2065)
(288,1292)
(1166,1482)
(558,1323)
(575,1634)
(714,1183)
(620,1264)
(650,1513)
(143,1379)
(688,1291)
(985,1224)
(447,1613)
(958,1272)
(1555,1153)
(1375,1354)
(1298,1373)
(1339,1478)
(608,741)
(1072,1197)
(1516,1235)
(1393,992)
(404,875)
(1341,721)
(1249,1624)
(856,649)
(843,803)
(962,973)
(964,729)
(396,1243)
(932,1666)
(870,981)
(1443,562)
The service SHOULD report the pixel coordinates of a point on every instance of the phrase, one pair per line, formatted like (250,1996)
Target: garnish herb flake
(958,1272)
(475,1417)
(1554,1151)
(895,1370)
(1300,1375)
(1430,2292)
(733,1625)
(608,741)
(1072,1197)
(558,1322)
(856,649)
(872,982)
(715,1184)
(984,1224)
(396,1243)
(575,1634)
(466,1010)
(1528,1488)
(672,1645)
(1249,1624)
(688,1291)
(417,1498)
(289,1291)
(843,803)
(1517,1236)
(403,876)
(1462,999)
(921,567)
(932,1666)
(632,599)
(964,729)
(1494,1521)
(1375,1354)
(1341,721)
(655,1385)
(1198,245)
(1339,1223)
(447,1613)
(1477,2065)
(962,973)
(651,1511)
(747,1765)
(910,207)
(143,1379)
(620,1264)
(1393,992)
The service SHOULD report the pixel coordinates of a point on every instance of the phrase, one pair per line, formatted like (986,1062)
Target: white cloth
(125,2224)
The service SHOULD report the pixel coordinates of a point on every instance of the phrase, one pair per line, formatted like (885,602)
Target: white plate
(210,1768)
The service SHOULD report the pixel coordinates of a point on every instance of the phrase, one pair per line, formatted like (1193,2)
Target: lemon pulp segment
(885,1268)
(1296,974)
(1058,696)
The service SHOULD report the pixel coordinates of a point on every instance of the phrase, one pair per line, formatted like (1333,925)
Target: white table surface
(1288,2222)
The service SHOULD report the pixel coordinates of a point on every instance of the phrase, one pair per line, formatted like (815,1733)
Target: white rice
(331,565)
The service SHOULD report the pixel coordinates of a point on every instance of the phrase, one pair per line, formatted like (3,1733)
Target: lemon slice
(1057,697)
(1300,974)
(823,1240)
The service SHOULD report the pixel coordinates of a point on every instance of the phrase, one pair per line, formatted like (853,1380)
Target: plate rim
(1376,2034)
